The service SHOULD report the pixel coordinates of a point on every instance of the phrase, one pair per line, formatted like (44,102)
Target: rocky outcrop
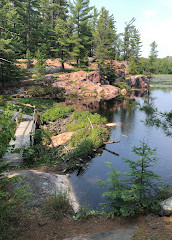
(42,185)
(82,75)
(138,81)
(166,207)
(85,85)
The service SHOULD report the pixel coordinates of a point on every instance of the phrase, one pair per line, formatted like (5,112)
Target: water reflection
(129,131)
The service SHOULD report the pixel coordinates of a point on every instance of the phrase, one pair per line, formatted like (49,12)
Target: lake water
(129,131)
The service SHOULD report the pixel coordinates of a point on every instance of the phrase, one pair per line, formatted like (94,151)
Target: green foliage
(131,42)
(58,111)
(108,72)
(159,119)
(40,65)
(83,119)
(81,33)
(38,91)
(132,68)
(38,154)
(11,203)
(85,212)
(105,37)
(122,85)
(84,149)
(40,105)
(135,192)
(96,135)
(29,59)
(58,206)
(7,130)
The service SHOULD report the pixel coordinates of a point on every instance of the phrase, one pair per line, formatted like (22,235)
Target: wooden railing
(15,117)
(35,117)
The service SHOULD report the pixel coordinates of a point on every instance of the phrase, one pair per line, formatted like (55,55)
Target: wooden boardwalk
(23,137)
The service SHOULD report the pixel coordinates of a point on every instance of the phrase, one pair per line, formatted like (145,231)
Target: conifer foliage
(135,192)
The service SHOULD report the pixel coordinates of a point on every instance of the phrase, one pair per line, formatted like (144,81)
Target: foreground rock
(42,185)
(121,233)
(166,207)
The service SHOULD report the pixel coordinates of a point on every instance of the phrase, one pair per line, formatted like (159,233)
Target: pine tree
(80,40)
(153,57)
(137,191)
(9,39)
(40,65)
(105,37)
(131,41)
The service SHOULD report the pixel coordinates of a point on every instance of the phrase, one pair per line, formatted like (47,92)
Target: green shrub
(98,136)
(84,118)
(135,192)
(38,91)
(38,155)
(58,206)
(83,150)
(80,136)
(56,112)
(122,85)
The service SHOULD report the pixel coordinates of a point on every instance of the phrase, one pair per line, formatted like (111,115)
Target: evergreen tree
(131,41)
(153,57)
(105,37)
(137,191)
(9,44)
(80,39)
(40,65)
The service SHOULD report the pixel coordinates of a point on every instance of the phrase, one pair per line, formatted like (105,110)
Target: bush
(98,136)
(84,119)
(84,149)
(58,206)
(122,85)
(56,112)
(38,91)
(135,192)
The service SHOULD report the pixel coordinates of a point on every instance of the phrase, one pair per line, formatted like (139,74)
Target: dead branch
(114,153)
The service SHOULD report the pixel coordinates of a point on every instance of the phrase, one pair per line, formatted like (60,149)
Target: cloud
(150,13)
(167,3)
(159,31)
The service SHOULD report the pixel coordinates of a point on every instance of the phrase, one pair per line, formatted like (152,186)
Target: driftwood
(114,153)
(110,142)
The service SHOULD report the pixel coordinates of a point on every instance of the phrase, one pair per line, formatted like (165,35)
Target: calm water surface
(129,131)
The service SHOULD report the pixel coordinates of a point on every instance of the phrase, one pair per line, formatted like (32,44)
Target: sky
(153,20)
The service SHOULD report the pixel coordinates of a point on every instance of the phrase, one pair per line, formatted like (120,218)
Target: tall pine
(80,40)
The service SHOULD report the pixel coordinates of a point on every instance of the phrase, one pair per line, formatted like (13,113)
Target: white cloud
(150,13)
(167,3)
(159,31)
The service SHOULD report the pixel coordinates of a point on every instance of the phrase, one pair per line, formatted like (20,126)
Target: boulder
(138,81)
(61,139)
(123,91)
(120,72)
(166,207)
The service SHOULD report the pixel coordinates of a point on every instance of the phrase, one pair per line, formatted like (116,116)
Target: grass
(58,206)
(56,112)
(85,119)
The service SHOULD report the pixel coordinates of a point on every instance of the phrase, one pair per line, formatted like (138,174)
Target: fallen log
(110,142)
(114,153)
